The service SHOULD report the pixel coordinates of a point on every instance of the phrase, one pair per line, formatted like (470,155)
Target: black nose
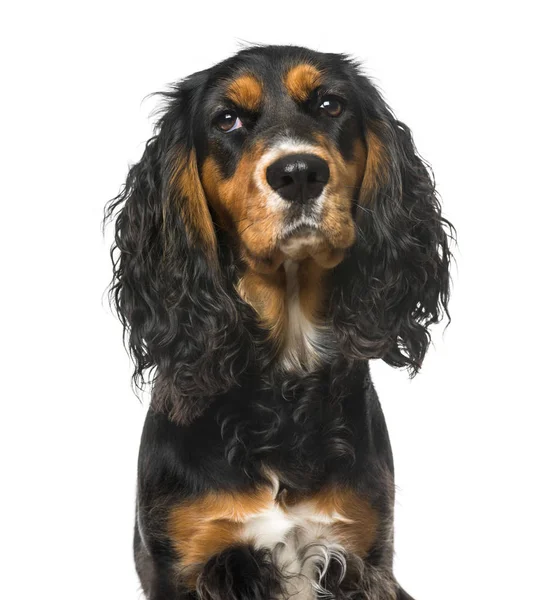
(298,177)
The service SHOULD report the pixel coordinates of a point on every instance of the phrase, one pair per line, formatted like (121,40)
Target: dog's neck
(291,305)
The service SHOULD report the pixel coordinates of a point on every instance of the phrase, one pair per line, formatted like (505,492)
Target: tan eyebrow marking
(301,80)
(246,92)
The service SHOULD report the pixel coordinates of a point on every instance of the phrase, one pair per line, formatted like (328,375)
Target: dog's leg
(164,587)
(369,578)
(361,581)
(158,581)
(239,573)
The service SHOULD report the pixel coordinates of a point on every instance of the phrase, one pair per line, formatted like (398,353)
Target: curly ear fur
(179,311)
(395,281)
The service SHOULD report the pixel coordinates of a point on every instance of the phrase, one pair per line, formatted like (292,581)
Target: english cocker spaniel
(279,231)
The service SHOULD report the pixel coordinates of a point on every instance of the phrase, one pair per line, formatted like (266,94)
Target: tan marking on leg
(208,525)
(353,520)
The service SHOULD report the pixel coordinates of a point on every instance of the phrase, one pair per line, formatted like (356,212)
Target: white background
(474,435)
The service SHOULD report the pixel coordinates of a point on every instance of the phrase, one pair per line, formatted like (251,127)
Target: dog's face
(282,156)
(279,201)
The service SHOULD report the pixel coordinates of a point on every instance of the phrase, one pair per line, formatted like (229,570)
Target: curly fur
(184,320)
(222,409)
(395,282)
(240,573)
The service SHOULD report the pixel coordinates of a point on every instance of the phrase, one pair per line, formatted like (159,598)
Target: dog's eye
(331,106)
(227,121)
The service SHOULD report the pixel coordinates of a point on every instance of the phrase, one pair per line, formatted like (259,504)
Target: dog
(279,231)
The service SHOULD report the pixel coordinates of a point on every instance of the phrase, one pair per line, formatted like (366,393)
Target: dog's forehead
(273,88)
(248,80)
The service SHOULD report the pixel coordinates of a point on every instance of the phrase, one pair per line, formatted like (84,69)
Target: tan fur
(358,532)
(311,278)
(268,294)
(243,208)
(301,81)
(206,526)
(265,292)
(190,197)
(375,171)
(246,92)
(358,520)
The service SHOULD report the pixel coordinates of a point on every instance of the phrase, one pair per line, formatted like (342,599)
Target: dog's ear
(395,282)
(168,287)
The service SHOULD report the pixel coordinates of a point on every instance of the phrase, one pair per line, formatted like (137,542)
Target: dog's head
(279,197)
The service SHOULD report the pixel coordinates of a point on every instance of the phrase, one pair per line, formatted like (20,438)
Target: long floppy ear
(168,286)
(395,282)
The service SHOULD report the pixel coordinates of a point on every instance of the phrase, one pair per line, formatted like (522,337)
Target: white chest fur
(303,542)
(301,335)
(303,531)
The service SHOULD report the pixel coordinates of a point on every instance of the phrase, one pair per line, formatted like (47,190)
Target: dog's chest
(302,337)
(304,537)
(305,532)
(280,517)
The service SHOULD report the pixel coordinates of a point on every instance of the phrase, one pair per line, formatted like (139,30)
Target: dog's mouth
(299,228)
(306,240)
(300,235)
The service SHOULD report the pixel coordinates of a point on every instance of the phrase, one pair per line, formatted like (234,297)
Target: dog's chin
(301,242)
(309,242)
(298,241)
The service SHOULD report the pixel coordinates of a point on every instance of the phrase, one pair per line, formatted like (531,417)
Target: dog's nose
(298,177)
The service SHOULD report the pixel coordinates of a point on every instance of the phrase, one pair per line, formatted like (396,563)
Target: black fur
(180,310)
(395,281)
(221,410)
(238,573)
